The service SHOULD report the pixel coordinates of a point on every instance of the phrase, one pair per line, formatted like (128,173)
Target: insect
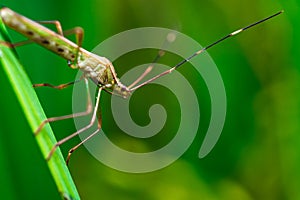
(99,69)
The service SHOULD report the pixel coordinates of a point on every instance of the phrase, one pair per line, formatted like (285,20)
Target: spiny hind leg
(74,115)
(94,116)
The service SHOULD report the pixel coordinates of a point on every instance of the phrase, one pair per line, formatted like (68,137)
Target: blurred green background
(258,154)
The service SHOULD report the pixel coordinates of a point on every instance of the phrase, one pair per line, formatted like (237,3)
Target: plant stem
(35,115)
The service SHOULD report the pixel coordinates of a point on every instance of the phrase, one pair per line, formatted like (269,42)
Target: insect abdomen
(39,34)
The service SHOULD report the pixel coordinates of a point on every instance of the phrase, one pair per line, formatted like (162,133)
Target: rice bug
(99,69)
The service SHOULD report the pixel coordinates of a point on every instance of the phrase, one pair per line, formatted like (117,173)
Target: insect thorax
(95,67)
(101,71)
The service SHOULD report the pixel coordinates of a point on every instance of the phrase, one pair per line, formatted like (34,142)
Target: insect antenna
(204,49)
(169,39)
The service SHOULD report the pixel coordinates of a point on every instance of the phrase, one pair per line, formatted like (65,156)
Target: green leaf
(35,115)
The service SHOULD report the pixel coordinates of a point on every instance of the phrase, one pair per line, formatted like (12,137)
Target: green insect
(99,69)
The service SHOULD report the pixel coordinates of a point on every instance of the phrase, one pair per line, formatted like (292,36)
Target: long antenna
(204,49)
(169,39)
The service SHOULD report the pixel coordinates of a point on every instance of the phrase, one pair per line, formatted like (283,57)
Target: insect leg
(86,112)
(13,45)
(56,23)
(99,116)
(79,131)
(78,31)
(86,139)
(60,87)
(78,145)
